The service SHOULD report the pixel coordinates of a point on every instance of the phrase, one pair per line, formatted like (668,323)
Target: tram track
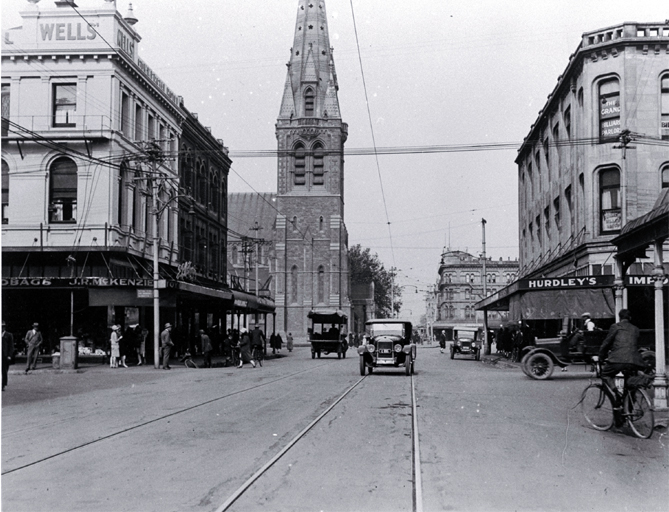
(417,494)
(158,419)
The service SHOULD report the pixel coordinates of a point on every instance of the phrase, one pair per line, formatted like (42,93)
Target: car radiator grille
(385,349)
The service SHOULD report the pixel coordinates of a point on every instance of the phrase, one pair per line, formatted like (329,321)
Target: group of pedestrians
(128,344)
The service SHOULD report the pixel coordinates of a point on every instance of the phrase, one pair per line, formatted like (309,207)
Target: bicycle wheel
(639,412)
(257,355)
(597,407)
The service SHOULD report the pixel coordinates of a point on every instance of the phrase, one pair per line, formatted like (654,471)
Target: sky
(436,73)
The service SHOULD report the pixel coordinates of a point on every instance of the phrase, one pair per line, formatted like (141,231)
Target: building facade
(91,180)
(594,159)
(461,286)
(309,236)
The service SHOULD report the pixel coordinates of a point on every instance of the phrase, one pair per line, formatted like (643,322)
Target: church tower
(311,241)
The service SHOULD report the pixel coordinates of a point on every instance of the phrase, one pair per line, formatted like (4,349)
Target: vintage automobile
(466,341)
(387,344)
(577,347)
(326,334)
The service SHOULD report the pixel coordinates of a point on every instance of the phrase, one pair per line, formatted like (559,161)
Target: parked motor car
(466,341)
(387,343)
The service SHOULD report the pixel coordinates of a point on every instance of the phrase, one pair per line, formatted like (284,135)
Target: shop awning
(555,304)
(247,301)
(204,290)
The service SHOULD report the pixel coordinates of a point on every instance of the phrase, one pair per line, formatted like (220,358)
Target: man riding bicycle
(621,348)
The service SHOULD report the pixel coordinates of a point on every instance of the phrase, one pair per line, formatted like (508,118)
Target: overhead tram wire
(371,127)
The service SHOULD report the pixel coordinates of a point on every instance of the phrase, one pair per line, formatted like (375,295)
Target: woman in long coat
(245,349)
(115,352)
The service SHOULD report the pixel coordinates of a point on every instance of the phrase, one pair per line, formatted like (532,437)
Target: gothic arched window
(319,167)
(309,102)
(300,164)
(293,285)
(321,285)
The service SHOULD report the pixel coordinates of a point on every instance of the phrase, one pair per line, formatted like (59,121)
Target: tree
(365,267)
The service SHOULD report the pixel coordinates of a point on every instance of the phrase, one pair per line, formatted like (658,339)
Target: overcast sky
(438,72)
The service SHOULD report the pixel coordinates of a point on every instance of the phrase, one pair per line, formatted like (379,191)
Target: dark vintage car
(387,344)
(466,342)
(578,347)
(326,334)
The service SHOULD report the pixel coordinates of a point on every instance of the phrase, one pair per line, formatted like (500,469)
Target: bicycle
(257,354)
(633,407)
(234,355)
(187,360)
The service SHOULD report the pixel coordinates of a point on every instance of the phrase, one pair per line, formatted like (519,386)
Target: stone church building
(303,256)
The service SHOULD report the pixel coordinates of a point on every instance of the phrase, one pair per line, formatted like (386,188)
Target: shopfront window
(610,204)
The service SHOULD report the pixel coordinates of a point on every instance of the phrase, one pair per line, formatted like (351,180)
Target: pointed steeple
(311,65)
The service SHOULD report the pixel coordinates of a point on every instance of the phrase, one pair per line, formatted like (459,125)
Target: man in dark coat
(33,339)
(620,349)
(7,353)
(207,348)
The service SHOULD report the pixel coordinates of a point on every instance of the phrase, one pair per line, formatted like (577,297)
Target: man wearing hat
(33,339)
(7,353)
(588,324)
(167,343)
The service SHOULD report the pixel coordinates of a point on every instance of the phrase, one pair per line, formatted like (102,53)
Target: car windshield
(465,335)
(386,330)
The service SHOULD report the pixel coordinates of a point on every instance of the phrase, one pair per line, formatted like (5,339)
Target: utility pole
(485,294)
(256,227)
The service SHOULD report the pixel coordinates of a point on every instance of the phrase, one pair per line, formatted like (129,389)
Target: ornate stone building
(309,261)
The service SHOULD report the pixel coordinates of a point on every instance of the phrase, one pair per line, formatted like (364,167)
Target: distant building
(461,286)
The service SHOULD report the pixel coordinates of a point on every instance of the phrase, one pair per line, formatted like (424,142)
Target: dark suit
(33,339)
(7,353)
(621,347)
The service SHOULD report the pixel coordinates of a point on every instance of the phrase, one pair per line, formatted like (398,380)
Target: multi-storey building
(595,159)
(310,241)
(462,284)
(90,163)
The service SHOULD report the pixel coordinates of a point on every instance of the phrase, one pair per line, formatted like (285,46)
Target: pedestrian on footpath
(258,339)
(289,342)
(207,348)
(141,349)
(167,344)
(7,353)
(33,339)
(115,341)
(245,349)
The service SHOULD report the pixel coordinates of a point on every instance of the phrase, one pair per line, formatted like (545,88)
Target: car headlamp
(371,348)
(398,348)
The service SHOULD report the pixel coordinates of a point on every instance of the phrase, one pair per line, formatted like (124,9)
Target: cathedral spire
(311,67)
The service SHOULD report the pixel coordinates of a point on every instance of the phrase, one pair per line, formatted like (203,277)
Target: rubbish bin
(68,352)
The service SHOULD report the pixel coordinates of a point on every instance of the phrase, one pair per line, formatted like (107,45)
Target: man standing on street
(33,339)
(621,348)
(442,341)
(167,344)
(207,348)
(7,353)
(257,337)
